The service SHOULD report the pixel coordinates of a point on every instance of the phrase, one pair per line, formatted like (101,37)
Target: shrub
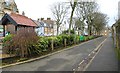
(43,43)
(56,41)
(72,39)
(69,38)
(60,40)
(7,38)
(66,32)
(7,41)
(23,42)
(86,38)
(77,40)
(91,37)
(64,36)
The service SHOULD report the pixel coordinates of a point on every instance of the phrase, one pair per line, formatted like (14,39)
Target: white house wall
(40,31)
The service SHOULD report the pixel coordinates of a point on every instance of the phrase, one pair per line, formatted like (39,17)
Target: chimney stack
(48,18)
(42,19)
(23,13)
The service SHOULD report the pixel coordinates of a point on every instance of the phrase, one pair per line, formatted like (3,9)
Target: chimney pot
(38,19)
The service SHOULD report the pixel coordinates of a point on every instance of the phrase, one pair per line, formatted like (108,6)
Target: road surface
(106,59)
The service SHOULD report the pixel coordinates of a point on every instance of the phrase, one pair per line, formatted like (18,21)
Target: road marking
(99,48)
(91,61)
(81,62)
(89,54)
(73,69)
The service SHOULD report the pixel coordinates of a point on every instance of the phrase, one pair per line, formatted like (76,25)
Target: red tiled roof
(22,20)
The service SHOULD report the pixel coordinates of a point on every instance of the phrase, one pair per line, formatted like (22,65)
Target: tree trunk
(78,32)
(70,21)
(73,9)
(89,30)
(57,30)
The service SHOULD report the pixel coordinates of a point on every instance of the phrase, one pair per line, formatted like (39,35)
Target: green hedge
(7,42)
(91,37)
(44,43)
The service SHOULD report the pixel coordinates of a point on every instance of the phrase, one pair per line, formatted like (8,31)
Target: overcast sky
(41,8)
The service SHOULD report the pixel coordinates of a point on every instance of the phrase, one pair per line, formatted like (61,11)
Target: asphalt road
(106,59)
(63,61)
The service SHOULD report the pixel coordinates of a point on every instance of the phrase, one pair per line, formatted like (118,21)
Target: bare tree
(85,11)
(81,15)
(59,11)
(100,21)
(73,6)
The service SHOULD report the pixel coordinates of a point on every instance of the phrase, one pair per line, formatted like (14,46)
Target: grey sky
(41,8)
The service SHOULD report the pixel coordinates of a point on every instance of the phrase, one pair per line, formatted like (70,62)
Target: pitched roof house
(49,28)
(13,22)
(45,27)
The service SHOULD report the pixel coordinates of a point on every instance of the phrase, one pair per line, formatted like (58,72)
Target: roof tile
(22,20)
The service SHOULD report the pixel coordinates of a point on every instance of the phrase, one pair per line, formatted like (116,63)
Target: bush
(77,39)
(56,40)
(91,37)
(7,38)
(43,44)
(7,41)
(69,38)
(66,32)
(60,40)
(86,38)
(22,43)
(72,39)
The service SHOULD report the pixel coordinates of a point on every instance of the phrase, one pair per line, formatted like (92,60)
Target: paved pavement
(1,45)
(106,59)
(0,49)
(63,61)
